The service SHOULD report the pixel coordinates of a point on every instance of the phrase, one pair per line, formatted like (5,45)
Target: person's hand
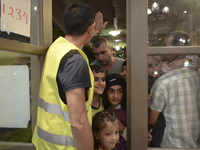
(98,23)
(121,127)
(149,97)
(150,137)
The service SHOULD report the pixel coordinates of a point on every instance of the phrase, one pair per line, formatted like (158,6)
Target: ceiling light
(165,10)
(155,7)
(149,11)
(117,40)
(186,63)
(35,8)
(114,33)
(117,47)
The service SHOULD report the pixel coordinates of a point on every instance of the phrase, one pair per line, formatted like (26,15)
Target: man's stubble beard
(107,61)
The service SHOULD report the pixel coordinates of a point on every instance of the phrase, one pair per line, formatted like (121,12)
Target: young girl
(115,100)
(154,64)
(99,86)
(105,127)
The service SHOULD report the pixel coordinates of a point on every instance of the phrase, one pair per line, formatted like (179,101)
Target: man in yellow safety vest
(64,109)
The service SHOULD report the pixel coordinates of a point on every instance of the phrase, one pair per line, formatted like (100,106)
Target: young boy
(99,86)
(123,72)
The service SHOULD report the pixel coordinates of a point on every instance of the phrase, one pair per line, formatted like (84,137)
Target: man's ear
(96,135)
(90,29)
(111,49)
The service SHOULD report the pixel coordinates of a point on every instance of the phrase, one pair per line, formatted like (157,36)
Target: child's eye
(150,66)
(120,91)
(103,79)
(108,134)
(117,132)
(111,91)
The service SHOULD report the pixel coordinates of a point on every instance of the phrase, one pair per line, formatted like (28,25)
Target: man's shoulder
(59,41)
(73,55)
(178,74)
(120,59)
(119,62)
(181,72)
(73,58)
(167,78)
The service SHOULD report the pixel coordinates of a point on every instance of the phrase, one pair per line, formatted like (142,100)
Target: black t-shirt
(73,73)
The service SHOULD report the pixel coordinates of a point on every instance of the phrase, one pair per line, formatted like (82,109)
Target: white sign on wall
(14,96)
(16,16)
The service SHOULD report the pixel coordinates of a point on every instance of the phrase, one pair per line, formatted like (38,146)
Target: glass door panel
(169,16)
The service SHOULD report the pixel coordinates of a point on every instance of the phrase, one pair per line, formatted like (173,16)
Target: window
(139,47)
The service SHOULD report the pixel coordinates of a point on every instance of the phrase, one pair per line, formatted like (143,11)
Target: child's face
(115,94)
(109,135)
(154,69)
(124,72)
(99,82)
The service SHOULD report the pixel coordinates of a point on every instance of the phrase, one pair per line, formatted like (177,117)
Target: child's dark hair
(111,80)
(97,68)
(99,122)
(123,64)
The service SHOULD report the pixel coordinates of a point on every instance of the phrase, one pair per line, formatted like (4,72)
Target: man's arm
(80,126)
(153,116)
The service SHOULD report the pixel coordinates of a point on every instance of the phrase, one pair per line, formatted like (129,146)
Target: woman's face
(99,82)
(108,136)
(154,69)
(123,72)
(115,95)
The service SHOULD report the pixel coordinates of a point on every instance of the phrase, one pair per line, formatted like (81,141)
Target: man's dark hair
(77,18)
(98,41)
(180,38)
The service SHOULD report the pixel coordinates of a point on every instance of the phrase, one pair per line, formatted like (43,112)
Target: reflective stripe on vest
(54,138)
(50,137)
(53,108)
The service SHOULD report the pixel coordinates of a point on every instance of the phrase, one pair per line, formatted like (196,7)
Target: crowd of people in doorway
(83,106)
(109,97)
(75,95)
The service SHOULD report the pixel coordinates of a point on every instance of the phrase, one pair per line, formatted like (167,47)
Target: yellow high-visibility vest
(53,128)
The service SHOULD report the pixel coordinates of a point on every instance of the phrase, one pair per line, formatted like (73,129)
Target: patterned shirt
(177,95)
